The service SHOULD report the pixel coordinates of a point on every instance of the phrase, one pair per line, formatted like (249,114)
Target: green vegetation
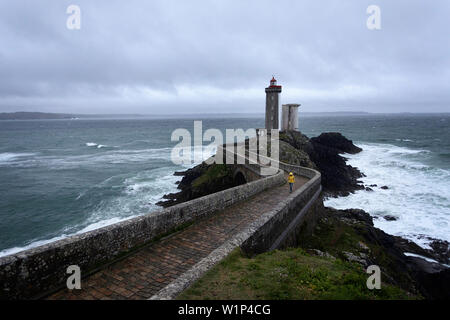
(336,234)
(213,174)
(287,274)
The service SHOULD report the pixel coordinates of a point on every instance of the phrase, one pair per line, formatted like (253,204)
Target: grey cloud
(196,56)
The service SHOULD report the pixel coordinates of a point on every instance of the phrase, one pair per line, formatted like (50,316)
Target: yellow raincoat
(291,178)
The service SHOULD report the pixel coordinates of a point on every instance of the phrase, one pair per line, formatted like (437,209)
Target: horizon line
(214,113)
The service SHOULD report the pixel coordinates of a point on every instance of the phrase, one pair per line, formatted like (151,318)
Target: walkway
(144,273)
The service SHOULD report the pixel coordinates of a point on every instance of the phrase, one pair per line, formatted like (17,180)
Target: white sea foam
(418,194)
(409,254)
(139,195)
(37,243)
(404,140)
(33,244)
(102,223)
(11,156)
(93,144)
(110,156)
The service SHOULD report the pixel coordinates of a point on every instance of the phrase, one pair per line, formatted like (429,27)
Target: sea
(63,177)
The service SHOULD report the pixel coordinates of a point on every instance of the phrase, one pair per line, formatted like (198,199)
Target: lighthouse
(272,92)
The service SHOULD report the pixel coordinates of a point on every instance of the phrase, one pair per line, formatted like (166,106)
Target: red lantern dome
(273,83)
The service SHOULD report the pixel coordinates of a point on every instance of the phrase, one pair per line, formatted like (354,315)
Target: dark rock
(432,279)
(338,178)
(185,185)
(292,155)
(416,275)
(337,141)
(384,187)
(368,189)
(373,185)
(323,153)
(442,249)
(356,214)
(390,218)
(351,257)
(320,253)
(199,181)
(297,140)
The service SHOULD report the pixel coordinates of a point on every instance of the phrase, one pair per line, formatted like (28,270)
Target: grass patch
(335,236)
(286,275)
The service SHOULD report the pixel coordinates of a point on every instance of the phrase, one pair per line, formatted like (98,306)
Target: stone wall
(35,272)
(275,229)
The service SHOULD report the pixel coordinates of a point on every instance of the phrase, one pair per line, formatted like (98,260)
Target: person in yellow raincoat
(291,181)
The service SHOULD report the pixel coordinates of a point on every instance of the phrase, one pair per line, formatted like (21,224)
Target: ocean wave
(33,244)
(103,223)
(91,144)
(404,140)
(98,146)
(409,254)
(111,156)
(63,235)
(8,157)
(138,196)
(418,194)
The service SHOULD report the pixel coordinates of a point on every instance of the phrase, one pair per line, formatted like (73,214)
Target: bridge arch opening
(239,178)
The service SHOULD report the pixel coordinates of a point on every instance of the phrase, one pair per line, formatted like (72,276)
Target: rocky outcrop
(199,181)
(324,151)
(335,140)
(294,156)
(185,185)
(297,140)
(441,248)
(350,235)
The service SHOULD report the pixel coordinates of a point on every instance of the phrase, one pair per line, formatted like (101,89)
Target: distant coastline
(24,115)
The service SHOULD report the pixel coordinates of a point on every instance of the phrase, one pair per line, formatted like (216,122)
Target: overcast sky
(167,57)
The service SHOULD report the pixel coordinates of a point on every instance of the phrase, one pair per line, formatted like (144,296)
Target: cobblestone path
(145,272)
